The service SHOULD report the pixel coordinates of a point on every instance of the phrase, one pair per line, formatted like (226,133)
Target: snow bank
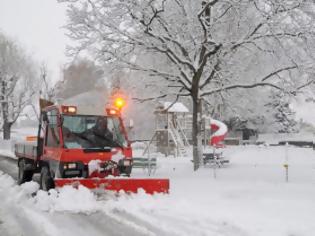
(67,199)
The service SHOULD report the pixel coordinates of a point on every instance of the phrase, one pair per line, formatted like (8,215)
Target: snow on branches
(208,47)
(16,83)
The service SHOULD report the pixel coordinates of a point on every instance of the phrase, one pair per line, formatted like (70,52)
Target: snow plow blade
(150,186)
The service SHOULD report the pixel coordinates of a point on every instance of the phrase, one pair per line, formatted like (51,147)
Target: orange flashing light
(69,109)
(119,103)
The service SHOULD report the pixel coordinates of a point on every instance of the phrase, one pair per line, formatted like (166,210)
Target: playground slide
(220,132)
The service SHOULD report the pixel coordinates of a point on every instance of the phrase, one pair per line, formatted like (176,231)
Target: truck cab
(73,142)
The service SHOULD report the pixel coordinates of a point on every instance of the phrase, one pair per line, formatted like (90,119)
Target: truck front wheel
(46,181)
(24,175)
(125,170)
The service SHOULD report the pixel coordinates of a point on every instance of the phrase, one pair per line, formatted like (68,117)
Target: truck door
(52,147)
(41,137)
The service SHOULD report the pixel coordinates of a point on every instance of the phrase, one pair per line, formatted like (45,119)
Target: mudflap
(150,186)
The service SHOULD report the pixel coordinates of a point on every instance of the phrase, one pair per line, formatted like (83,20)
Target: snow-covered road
(20,216)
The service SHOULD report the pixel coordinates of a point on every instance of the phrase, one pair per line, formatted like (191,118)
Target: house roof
(171,107)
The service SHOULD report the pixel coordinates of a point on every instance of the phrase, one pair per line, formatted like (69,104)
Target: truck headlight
(67,166)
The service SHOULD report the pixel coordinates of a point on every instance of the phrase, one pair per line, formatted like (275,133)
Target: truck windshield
(86,132)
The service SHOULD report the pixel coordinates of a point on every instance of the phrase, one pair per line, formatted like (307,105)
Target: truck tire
(125,170)
(128,170)
(24,175)
(46,181)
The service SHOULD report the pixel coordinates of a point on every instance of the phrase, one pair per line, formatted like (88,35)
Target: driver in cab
(99,134)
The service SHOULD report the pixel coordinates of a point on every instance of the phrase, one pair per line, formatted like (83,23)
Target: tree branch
(278,71)
(244,86)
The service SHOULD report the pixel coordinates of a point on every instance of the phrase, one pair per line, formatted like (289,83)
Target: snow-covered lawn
(248,197)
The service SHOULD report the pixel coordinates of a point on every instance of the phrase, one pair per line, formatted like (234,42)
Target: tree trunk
(196,133)
(5,112)
(7,130)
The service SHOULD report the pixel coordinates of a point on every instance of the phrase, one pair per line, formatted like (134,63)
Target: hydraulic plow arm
(150,186)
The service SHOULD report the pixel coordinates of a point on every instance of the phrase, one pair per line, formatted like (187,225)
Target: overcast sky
(37,25)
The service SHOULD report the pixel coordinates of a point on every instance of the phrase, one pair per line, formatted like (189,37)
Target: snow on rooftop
(176,107)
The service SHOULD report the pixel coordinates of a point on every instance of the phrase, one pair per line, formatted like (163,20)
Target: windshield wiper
(80,136)
(93,148)
(110,140)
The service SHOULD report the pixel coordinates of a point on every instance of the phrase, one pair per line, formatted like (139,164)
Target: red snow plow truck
(76,147)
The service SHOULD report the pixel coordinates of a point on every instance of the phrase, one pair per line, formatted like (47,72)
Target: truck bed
(26,150)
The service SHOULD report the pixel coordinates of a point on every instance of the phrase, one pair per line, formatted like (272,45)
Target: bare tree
(48,90)
(211,47)
(79,77)
(16,83)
